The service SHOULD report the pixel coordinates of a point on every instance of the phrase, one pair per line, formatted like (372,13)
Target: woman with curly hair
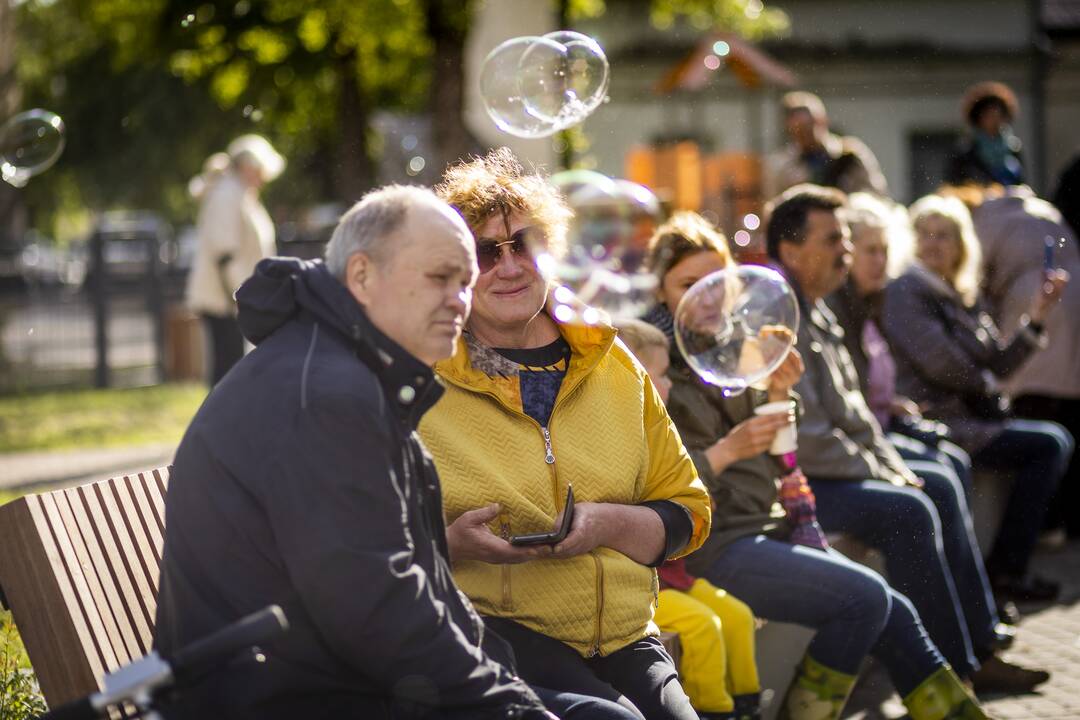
(533,407)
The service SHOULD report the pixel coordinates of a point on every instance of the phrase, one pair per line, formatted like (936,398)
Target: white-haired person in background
(233,233)
(951,359)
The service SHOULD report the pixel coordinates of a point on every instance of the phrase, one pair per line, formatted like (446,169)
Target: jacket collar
(408,384)
(479,368)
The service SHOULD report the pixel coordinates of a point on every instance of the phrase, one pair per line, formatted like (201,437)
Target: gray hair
(365,227)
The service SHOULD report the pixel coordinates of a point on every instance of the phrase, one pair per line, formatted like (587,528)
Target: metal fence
(110,313)
(94,317)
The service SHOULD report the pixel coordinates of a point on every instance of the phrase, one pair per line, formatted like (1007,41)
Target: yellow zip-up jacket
(609,435)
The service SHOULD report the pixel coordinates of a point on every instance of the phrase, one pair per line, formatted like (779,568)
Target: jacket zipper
(507,597)
(549,456)
(595,649)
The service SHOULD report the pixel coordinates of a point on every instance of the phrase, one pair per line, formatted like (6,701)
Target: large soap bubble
(606,244)
(535,86)
(513,80)
(30,143)
(735,326)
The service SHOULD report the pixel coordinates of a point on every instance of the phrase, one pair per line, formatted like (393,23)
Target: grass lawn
(97,418)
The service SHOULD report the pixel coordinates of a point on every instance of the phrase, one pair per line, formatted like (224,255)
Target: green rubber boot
(943,697)
(816,693)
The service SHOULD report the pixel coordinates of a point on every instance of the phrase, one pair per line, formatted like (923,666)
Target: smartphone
(558,534)
(1048,254)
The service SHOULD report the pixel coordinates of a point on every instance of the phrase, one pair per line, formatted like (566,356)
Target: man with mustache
(920,520)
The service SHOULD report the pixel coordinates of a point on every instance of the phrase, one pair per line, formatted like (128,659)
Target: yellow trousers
(717,635)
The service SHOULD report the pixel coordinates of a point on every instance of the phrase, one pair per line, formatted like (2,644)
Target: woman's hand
(588,531)
(470,538)
(784,377)
(748,439)
(1048,294)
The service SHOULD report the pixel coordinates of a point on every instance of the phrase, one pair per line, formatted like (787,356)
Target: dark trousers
(904,524)
(1036,453)
(641,676)
(1065,507)
(226,345)
(949,495)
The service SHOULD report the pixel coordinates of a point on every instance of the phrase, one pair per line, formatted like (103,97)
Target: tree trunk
(354,170)
(12,209)
(448,27)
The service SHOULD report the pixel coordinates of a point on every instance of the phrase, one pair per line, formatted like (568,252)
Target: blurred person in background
(864,488)
(951,358)
(921,442)
(812,147)
(990,152)
(766,546)
(233,232)
(1022,237)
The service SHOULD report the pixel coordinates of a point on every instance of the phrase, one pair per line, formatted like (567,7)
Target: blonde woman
(950,357)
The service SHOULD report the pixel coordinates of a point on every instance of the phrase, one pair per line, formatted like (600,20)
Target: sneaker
(998,676)
(1003,638)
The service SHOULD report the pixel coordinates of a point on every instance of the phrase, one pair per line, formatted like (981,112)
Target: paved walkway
(1049,638)
(21,470)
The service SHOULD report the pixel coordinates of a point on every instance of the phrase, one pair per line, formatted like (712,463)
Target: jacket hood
(281,287)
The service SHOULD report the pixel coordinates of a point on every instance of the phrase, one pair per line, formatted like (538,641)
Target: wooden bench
(79,569)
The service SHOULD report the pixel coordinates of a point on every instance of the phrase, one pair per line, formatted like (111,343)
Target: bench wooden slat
(129,595)
(86,604)
(44,604)
(126,645)
(154,528)
(80,569)
(98,594)
(144,554)
(128,555)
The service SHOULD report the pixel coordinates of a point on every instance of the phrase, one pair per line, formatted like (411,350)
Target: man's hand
(470,538)
(784,377)
(904,407)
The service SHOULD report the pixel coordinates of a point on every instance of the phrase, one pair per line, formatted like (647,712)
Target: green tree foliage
(149,88)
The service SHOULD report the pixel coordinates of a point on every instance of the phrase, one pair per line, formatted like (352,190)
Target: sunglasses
(488,252)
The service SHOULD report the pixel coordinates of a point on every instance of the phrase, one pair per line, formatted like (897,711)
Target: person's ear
(790,255)
(359,274)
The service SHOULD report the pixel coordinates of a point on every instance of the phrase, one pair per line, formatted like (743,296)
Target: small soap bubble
(30,143)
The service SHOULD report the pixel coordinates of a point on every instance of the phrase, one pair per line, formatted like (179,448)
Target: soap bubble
(606,246)
(735,326)
(580,83)
(507,77)
(30,143)
(535,86)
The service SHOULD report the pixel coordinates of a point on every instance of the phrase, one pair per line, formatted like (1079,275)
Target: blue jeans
(903,523)
(950,494)
(852,608)
(1037,453)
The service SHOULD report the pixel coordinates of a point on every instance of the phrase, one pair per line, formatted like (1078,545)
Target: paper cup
(787,438)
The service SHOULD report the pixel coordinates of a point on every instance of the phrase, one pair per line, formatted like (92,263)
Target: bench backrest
(79,568)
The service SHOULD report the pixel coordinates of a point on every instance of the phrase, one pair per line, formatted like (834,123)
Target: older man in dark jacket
(302,482)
